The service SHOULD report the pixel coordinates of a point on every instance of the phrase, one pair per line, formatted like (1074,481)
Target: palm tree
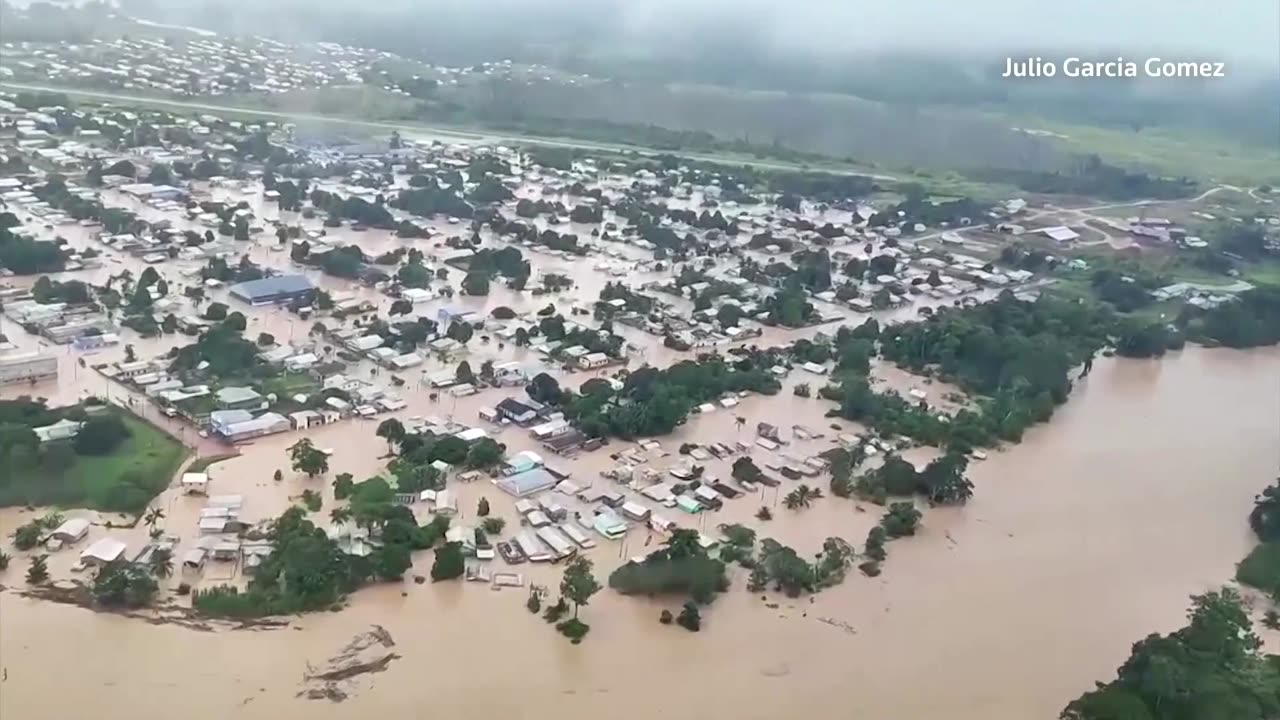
(153,516)
(4,561)
(340,515)
(739,421)
(801,497)
(162,563)
(794,500)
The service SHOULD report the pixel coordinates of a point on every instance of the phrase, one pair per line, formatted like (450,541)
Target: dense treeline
(1212,669)
(1091,177)
(1252,320)
(1261,568)
(655,402)
(1006,344)
(1016,355)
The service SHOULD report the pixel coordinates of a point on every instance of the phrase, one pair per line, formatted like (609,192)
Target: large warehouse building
(274,290)
(27,367)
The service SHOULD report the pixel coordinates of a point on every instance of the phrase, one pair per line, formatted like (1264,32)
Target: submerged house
(528,482)
(239,425)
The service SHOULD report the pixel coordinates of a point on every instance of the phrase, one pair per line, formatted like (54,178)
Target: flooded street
(1088,535)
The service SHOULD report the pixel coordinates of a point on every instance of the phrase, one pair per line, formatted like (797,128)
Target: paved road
(460,135)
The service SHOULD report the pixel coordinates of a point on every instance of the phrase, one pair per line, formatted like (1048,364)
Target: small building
(193,559)
(521,462)
(240,425)
(550,429)
(239,398)
(528,543)
(195,483)
(591,361)
(71,531)
(609,525)
(64,429)
(635,511)
(274,290)
(515,411)
(105,550)
(688,504)
(93,342)
(578,536)
(528,483)
(446,503)
(560,545)
(365,343)
(1061,234)
(661,524)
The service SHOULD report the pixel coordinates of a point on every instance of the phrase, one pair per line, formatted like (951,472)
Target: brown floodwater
(1088,535)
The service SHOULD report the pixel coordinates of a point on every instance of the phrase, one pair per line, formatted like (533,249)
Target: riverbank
(1079,541)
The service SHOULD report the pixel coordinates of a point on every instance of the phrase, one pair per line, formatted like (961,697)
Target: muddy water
(1088,535)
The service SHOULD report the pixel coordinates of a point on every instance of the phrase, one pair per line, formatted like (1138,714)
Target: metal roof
(272,286)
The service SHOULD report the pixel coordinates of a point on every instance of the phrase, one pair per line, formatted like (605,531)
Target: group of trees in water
(653,401)
(1214,667)
(24,256)
(1211,669)
(1014,355)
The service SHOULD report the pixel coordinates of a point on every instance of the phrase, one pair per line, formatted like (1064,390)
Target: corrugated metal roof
(271,286)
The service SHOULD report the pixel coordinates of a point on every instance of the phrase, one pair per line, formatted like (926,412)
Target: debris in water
(365,654)
(839,624)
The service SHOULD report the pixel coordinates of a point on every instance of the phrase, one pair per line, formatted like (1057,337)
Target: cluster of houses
(219,540)
(200,66)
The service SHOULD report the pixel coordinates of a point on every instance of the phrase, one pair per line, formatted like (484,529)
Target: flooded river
(1088,535)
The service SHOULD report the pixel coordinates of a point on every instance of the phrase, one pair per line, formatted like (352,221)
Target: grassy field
(123,481)
(146,461)
(1263,273)
(1166,152)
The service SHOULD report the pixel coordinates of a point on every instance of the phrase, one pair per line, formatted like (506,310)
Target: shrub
(448,563)
(574,629)
(690,619)
(1261,569)
(100,434)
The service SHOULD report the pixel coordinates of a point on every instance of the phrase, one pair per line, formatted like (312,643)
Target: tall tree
(308,459)
(391,430)
(578,583)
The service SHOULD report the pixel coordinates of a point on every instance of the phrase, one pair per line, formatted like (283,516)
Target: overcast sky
(1197,29)
(1246,28)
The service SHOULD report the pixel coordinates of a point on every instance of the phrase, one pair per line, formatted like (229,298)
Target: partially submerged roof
(272,286)
(104,550)
(528,482)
